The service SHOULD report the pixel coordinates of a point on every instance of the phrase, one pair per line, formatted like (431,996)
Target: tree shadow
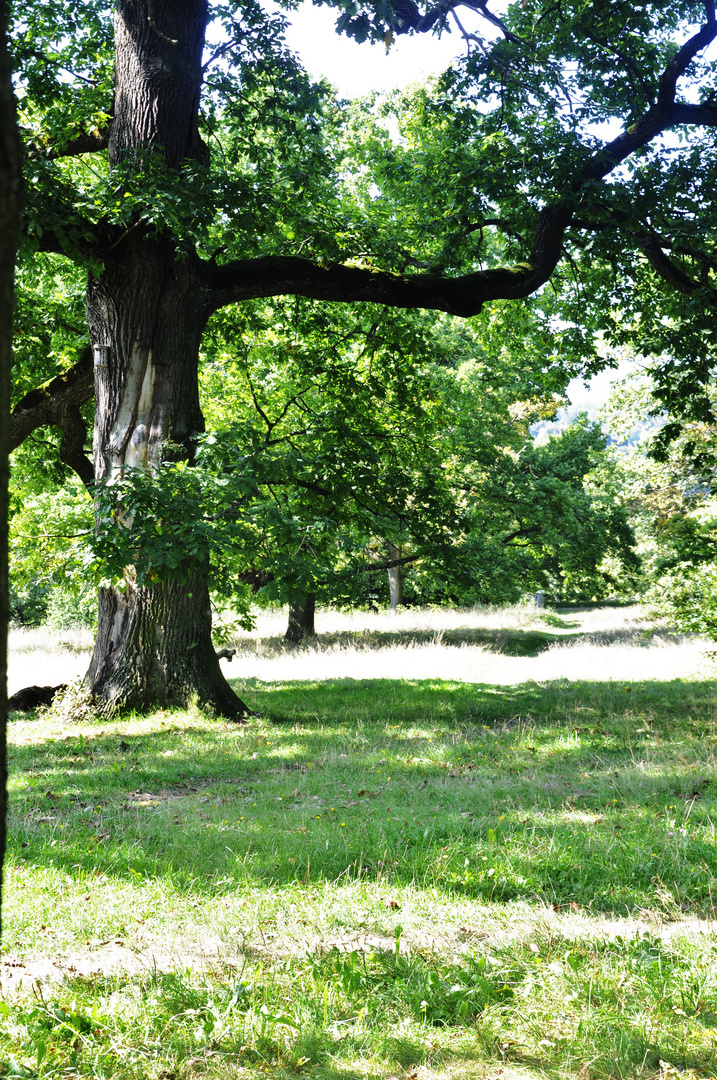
(506,642)
(566,793)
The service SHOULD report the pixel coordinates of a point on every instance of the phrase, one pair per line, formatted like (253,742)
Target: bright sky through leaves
(358,69)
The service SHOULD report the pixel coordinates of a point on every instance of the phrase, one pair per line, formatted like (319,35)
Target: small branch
(221,52)
(226,654)
(50,536)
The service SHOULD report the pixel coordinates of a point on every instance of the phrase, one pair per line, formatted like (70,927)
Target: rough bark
(148,309)
(154,647)
(153,643)
(150,303)
(10,216)
(301,619)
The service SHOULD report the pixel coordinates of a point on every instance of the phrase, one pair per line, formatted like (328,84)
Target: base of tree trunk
(154,650)
(301,619)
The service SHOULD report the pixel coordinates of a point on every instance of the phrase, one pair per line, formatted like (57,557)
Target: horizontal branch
(367,568)
(278,275)
(465,295)
(86,143)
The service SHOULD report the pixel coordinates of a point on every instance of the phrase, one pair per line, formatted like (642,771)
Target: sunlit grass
(378,878)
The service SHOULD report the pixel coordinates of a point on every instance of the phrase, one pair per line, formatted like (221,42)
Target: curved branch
(464,296)
(669,271)
(407,17)
(57,403)
(667,86)
(280,275)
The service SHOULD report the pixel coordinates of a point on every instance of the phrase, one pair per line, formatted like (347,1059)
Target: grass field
(451,845)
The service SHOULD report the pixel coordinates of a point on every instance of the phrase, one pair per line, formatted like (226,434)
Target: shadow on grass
(515,643)
(596,794)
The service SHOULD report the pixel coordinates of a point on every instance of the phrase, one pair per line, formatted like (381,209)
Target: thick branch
(57,403)
(281,275)
(464,296)
(83,144)
(684,57)
(665,267)
(670,272)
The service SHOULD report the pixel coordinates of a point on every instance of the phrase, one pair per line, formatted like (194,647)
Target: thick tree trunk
(146,313)
(154,647)
(153,642)
(301,619)
(10,216)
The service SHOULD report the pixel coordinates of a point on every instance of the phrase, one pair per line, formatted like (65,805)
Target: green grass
(376,879)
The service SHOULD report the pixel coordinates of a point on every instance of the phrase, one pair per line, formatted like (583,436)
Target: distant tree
(669,490)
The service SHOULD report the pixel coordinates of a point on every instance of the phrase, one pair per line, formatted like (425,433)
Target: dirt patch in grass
(128,958)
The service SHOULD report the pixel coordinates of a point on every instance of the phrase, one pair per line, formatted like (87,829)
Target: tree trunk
(301,619)
(154,642)
(154,647)
(10,216)
(395,578)
(146,313)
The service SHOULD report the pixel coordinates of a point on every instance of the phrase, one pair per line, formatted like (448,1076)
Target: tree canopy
(182,163)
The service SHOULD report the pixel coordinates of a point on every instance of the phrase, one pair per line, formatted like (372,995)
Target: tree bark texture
(154,648)
(301,619)
(158,78)
(11,203)
(148,309)
(150,303)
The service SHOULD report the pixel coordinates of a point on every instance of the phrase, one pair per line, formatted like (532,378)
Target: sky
(357,69)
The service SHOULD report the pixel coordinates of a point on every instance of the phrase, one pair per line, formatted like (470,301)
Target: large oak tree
(186,170)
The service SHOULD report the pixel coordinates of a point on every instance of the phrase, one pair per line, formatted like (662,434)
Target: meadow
(449,844)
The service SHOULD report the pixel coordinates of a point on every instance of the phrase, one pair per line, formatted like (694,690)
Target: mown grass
(378,878)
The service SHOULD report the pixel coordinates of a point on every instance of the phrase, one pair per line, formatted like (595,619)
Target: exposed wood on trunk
(148,307)
(150,302)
